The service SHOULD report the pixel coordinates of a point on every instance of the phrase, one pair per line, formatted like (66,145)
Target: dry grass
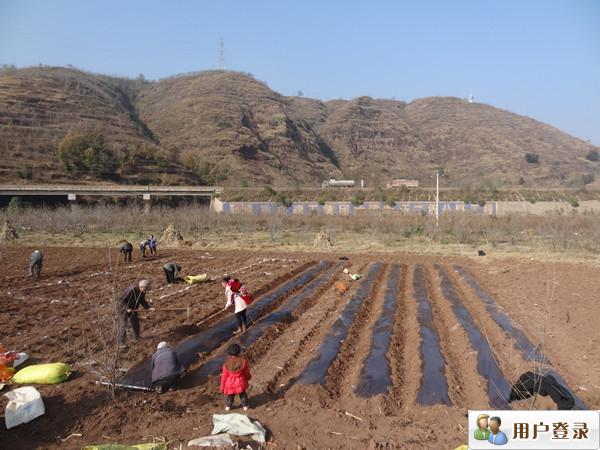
(568,236)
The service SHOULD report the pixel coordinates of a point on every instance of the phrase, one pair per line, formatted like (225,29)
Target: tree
(592,156)
(86,153)
(532,158)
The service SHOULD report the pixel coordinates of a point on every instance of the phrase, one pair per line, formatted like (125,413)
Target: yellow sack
(462,447)
(193,279)
(53,373)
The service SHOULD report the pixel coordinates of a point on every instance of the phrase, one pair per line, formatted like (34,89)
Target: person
(482,433)
(234,377)
(127,308)
(35,266)
(126,249)
(496,437)
(166,368)
(171,271)
(232,293)
(143,245)
(153,242)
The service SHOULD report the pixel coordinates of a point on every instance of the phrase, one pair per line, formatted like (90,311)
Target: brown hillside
(228,128)
(39,106)
(475,144)
(235,129)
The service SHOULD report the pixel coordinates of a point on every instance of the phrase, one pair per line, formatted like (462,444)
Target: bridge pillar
(72,198)
(147,203)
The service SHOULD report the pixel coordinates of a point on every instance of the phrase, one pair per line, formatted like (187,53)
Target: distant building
(402,182)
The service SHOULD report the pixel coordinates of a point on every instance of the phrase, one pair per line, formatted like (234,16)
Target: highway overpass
(73,191)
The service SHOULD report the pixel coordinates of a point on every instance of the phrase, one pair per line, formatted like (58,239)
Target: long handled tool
(187,310)
(210,317)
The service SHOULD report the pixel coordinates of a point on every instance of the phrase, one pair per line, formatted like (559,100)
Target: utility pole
(437,198)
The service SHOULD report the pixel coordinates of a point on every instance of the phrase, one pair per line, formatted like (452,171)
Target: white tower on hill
(471,98)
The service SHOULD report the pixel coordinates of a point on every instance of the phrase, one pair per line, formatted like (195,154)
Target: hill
(228,128)
(40,106)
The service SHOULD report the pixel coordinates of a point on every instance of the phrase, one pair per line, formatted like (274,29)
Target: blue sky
(537,58)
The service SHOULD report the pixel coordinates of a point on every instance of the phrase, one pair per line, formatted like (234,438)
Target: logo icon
(496,436)
(482,433)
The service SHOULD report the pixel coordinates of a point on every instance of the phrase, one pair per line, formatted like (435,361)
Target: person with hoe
(238,296)
(127,309)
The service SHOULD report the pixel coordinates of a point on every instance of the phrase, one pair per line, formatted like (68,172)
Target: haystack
(170,235)
(323,239)
(8,232)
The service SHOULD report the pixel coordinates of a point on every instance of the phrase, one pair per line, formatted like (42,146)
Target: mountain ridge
(219,127)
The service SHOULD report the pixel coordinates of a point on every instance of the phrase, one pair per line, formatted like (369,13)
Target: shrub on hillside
(588,178)
(593,156)
(86,154)
(358,199)
(532,158)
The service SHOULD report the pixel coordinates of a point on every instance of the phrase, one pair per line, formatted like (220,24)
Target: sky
(536,58)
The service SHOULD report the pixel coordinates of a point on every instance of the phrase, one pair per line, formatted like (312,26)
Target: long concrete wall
(348,209)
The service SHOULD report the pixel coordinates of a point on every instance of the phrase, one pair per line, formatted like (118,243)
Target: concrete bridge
(72,191)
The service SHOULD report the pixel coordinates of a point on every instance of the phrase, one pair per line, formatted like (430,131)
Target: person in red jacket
(235,377)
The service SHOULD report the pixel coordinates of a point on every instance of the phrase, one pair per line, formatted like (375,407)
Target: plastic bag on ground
(239,425)
(193,279)
(20,359)
(218,440)
(52,373)
(25,404)
(149,446)
(341,287)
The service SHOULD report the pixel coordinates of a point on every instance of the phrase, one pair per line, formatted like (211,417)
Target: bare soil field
(395,362)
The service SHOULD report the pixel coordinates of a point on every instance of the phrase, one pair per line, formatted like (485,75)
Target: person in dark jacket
(35,266)
(171,271)
(127,308)
(234,377)
(127,250)
(166,368)
(153,243)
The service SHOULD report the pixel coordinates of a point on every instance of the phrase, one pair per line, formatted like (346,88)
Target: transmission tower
(221,55)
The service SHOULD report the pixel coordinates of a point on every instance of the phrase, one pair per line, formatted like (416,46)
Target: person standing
(232,293)
(234,377)
(153,242)
(171,271)
(127,250)
(127,308)
(35,266)
(166,368)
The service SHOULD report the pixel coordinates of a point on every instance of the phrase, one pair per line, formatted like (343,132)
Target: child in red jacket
(234,378)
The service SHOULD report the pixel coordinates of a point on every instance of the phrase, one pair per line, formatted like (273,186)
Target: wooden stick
(171,309)
(210,317)
(353,416)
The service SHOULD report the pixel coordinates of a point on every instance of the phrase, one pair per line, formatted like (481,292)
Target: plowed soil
(68,316)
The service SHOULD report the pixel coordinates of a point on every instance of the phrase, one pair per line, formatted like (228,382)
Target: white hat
(160,345)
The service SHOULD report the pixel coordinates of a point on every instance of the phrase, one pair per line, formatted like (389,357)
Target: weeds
(556,232)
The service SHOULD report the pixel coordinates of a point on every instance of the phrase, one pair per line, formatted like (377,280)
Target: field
(405,352)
